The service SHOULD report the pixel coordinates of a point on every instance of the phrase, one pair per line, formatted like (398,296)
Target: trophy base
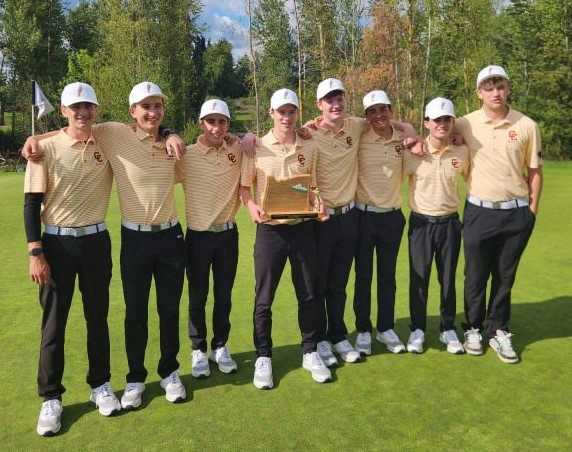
(292,215)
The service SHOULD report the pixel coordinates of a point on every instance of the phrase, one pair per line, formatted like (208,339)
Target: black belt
(435,219)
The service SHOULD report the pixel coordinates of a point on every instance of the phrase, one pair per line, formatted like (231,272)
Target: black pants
(336,240)
(89,258)
(494,242)
(275,244)
(442,240)
(219,250)
(145,255)
(380,232)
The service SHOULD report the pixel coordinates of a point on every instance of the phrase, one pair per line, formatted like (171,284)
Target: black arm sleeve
(32,221)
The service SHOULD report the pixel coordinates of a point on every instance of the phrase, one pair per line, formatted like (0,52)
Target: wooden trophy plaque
(287,199)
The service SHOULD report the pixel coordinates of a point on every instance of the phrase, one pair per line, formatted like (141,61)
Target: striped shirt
(500,154)
(279,161)
(211,179)
(75,177)
(144,173)
(379,170)
(337,167)
(433,179)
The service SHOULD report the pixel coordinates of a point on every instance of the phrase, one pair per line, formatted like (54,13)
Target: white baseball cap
(144,90)
(214,106)
(327,86)
(490,72)
(283,97)
(439,107)
(375,98)
(78,92)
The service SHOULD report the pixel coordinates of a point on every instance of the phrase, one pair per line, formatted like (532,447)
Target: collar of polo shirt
(204,148)
(272,140)
(508,119)
(72,141)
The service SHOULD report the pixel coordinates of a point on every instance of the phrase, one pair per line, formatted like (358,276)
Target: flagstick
(33,103)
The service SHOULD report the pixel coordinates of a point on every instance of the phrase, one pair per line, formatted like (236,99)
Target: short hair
(336,92)
(493,81)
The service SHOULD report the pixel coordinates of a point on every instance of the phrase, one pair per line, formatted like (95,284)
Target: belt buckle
(496,204)
(155,228)
(79,232)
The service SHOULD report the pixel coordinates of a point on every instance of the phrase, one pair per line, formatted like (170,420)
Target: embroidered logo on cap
(79,90)
(148,87)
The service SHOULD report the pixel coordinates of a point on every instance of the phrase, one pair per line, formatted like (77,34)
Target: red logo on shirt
(349,141)
(97,156)
(301,159)
(512,135)
(231,157)
(456,163)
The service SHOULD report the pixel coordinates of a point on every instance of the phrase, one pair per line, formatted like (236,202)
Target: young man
(504,189)
(338,138)
(282,154)
(211,179)
(381,222)
(434,226)
(152,243)
(72,183)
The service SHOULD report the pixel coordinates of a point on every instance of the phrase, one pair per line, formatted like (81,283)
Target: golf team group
(356,167)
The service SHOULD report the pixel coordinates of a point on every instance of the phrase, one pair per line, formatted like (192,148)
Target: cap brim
(79,100)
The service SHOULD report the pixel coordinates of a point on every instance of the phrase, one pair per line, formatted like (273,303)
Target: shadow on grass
(285,359)
(530,323)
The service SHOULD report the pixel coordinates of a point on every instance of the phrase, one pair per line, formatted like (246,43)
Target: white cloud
(220,26)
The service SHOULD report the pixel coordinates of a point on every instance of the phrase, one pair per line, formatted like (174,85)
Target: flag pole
(33,103)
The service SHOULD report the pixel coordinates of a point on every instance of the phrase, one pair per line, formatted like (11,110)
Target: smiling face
(285,118)
(215,127)
(441,127)
(494,93)
(379,116)
(81,116)
(149,114)
(333,106)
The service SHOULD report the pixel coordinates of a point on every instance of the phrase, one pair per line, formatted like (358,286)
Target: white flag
(41,101)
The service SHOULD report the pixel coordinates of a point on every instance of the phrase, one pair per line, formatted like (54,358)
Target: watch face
(36,252)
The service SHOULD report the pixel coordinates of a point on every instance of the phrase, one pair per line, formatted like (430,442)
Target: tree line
(414,49)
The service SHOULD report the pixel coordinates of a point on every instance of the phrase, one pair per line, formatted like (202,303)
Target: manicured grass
(433,401)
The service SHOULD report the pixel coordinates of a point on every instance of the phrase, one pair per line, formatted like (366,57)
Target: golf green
(434,401)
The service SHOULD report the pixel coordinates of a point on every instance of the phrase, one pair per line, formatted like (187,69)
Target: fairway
(434,401)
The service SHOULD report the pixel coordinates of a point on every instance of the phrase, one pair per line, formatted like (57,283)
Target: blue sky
(220,19)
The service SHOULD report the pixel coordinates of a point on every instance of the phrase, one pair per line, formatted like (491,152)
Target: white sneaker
(313,363)
(174,388)
(131,398)
(105,400)
(347,352)
(450,339)
(391,341)
(363,343)
(49,419)
(502,344)
(415,341)
(200,364)
(222,357)
(263,373)
(326,353)
(473,342)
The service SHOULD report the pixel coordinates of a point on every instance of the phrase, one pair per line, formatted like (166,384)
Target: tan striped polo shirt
(75,177)
(143,172)
(500,154)
(337,167)
(211,179)
(380,163)
(433,179)
(280,161)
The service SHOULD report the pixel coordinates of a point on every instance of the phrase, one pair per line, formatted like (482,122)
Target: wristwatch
(35,252)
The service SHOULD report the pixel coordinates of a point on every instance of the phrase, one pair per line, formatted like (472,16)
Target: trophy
(289,198)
